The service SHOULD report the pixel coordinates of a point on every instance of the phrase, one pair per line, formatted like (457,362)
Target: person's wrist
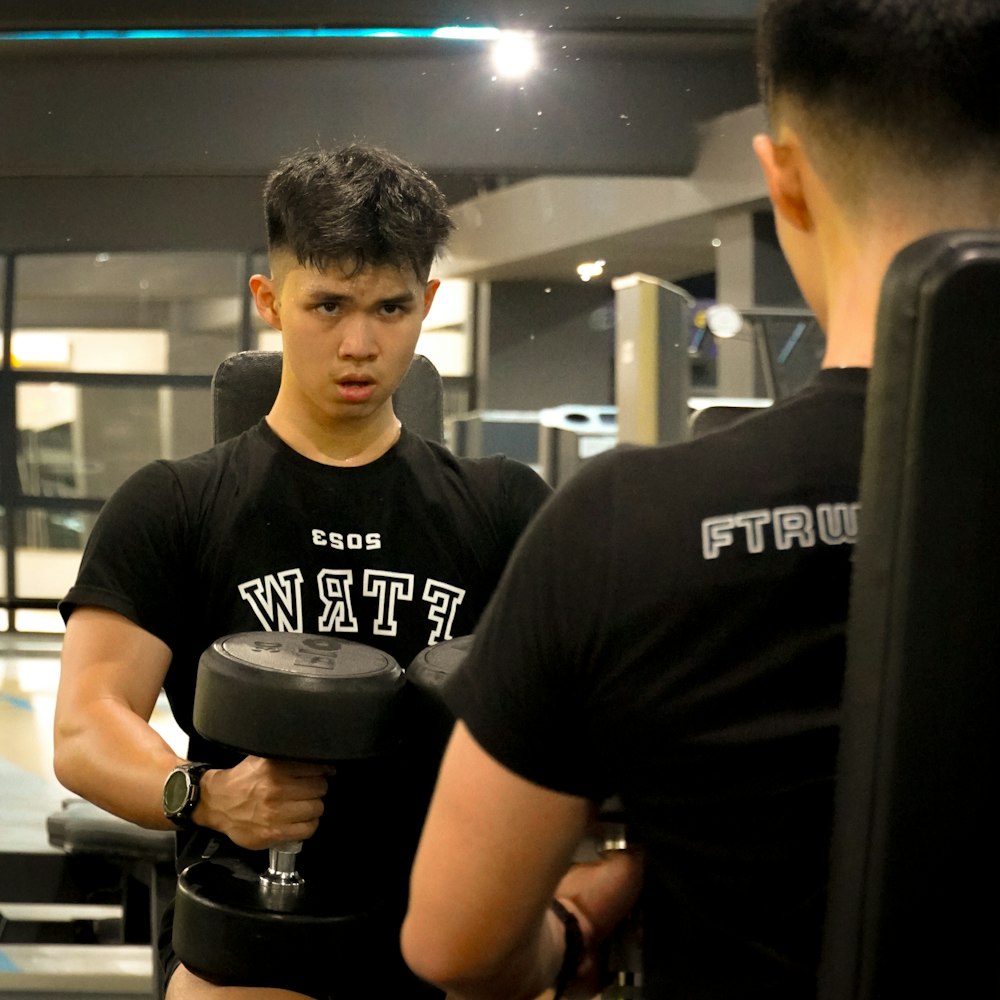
(181,793)
(202,812)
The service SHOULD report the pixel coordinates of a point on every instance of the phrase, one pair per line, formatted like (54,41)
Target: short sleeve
(132,561)
(523,690)
(522,494)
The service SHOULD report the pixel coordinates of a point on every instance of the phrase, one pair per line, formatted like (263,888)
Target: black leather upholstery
(914,876)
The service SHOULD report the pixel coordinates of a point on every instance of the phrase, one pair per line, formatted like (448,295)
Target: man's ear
(782,163)
(265,298)
(430,290)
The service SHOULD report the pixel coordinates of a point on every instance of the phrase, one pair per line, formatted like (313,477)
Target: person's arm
(106,751)
(494,851)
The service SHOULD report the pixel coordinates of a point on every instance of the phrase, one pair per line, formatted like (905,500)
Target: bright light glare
(468,34)
(590,269)
(514,54)
(723,320)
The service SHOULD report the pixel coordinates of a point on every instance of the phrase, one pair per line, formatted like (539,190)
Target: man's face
(347,341)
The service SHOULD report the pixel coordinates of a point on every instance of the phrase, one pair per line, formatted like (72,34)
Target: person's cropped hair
(908,73)
(359,205)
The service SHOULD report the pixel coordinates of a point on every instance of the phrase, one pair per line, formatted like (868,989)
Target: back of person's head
(355,207)
(898,88)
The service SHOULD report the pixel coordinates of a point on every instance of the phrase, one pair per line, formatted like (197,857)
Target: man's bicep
(106,656)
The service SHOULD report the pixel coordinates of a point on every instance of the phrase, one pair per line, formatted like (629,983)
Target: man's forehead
(347,275)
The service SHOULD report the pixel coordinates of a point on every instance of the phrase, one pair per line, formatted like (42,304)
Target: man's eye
(328,307)
(393,309)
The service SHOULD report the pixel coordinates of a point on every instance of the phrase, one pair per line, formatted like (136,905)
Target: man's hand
(261,802)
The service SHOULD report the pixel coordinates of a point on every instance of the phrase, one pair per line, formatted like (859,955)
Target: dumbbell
(286,696)
(427,677)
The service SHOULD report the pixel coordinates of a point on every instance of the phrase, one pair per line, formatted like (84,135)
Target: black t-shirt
(250,535)
(672,631)
(400,553)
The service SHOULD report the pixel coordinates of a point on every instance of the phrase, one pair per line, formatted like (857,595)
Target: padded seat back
(914,875)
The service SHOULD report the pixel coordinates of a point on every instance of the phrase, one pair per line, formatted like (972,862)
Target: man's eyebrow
(319,293)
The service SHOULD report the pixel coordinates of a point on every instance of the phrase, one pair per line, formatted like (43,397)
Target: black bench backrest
(914,884)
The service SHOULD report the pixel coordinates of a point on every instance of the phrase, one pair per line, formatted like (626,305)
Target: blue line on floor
(6,965)
(16,702)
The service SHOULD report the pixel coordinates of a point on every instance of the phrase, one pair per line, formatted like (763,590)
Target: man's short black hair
(355,207)
(922,75)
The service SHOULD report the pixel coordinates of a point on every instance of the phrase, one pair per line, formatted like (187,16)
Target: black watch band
(181,792)
(573,953)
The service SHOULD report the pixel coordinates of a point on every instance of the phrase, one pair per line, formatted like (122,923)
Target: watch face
(175,792)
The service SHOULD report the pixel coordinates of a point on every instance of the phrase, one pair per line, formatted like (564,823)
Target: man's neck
(348,445)
(856,269)
(851,315)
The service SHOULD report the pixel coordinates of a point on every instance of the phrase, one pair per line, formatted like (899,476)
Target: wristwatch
(181,791)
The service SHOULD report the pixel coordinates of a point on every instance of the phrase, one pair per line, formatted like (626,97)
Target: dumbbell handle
(613,837)
(624,953)
(281,864)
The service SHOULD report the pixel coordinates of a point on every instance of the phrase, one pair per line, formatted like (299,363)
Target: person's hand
(600,894)
(261,802)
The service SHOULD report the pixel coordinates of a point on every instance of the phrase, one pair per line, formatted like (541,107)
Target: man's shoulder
(490,471)
(800,442)
(217,457)
(159,480)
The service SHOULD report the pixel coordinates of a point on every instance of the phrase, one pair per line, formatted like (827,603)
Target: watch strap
(573,953)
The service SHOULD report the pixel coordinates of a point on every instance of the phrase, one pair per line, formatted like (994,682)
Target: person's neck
(856,266)
(348,444)
(853,291)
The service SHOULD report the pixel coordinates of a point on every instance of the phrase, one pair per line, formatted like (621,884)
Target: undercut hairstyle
(355,207)
(918,78)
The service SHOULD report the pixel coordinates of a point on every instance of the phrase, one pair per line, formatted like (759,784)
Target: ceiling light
(590,269)
(514,54)
(723,320)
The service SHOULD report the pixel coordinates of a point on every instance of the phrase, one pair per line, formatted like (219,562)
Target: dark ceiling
(625,89)
(561,15)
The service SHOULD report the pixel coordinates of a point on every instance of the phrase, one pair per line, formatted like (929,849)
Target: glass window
(49,546)
(154,313)
(36,620)
(84,440)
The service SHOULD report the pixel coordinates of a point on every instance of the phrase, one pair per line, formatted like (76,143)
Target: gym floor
(31,967)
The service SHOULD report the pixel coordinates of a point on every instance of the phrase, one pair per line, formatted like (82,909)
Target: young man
(248,536)
(688,656)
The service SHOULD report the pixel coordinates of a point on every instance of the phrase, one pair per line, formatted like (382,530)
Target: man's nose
(358,340)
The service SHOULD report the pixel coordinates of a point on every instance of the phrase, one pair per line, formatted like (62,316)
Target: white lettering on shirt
(276,600)
(791,526)
(444,600)
(388,588)
(335,594)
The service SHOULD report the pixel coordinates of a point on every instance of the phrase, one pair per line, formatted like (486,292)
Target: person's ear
(783,163)
(430,290)
(265,298)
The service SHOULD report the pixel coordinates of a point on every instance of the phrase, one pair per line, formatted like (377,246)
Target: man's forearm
(113,758)
(522,974)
